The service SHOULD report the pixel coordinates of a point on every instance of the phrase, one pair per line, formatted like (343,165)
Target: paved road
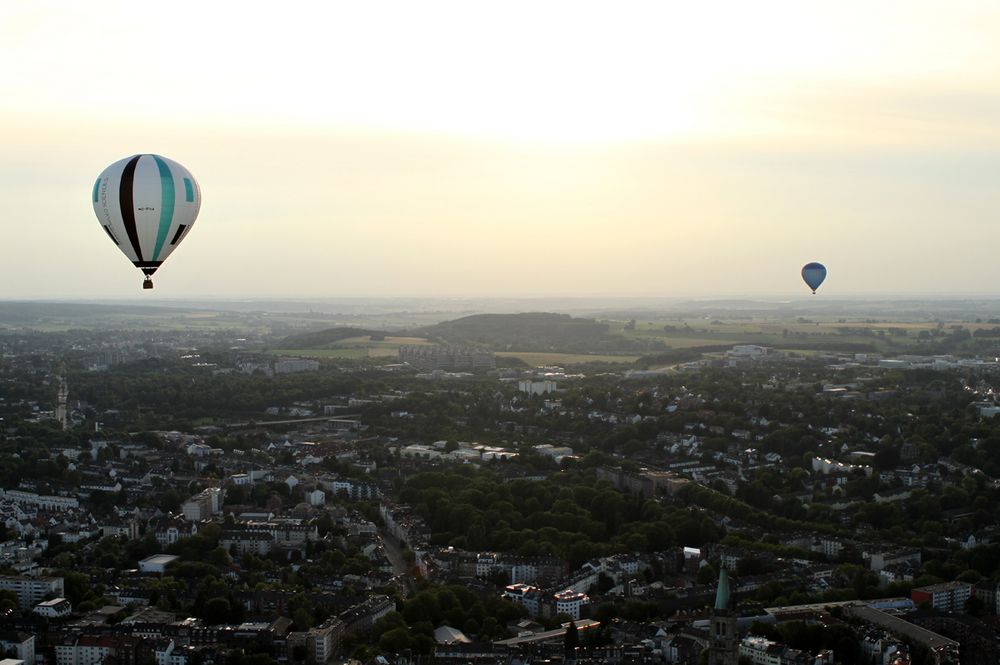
(395,556)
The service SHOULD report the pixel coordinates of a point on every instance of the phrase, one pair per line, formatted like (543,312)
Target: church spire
(722,593)
(724,642)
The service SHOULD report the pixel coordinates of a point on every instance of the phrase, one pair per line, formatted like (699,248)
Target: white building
(86,650)
(747,351)
(827,466)
(32,590)
(420,450)
(53,609)
(570,602)
(316,497)
(203,505)
(486,563)
(40,500)
(157,563)
(293,365)
(946,597)
(528,596)
(167,653)
(324,639)
(202,450)
(241,479)
(987,410)
(21,645)
(532,387)
(762,651)
(557,453)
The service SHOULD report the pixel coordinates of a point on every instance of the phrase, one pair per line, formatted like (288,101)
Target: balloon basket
(147,283)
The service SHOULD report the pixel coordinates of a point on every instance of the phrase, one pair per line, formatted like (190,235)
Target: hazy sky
(510,148)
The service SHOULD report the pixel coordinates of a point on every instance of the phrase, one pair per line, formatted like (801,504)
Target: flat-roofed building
(946,597)
(45,502)
(53,609)
(156,563)
(203,505)
(570,603)
(32,590)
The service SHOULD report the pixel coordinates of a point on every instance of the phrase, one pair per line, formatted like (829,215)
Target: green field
(791,333)
(356,348)
(539,359)
(346,353)
(797,335)
(373,350)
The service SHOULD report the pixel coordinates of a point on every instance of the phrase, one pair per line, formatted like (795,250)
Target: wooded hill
(534,331)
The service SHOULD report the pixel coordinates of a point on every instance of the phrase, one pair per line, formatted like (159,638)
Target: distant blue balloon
(814,274)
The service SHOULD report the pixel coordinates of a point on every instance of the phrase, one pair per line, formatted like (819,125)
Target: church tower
(724,643)
(61,413)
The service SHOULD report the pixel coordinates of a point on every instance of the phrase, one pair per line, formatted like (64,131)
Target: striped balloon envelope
(146,204)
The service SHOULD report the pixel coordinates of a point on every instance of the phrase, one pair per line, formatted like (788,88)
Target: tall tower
(62,397)
(724,644)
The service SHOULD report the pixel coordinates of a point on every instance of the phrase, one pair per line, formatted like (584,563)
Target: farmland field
(539,359)
(356,348)
(343,353)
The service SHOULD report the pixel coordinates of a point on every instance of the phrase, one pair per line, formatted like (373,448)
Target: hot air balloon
(146,204)
(813,274)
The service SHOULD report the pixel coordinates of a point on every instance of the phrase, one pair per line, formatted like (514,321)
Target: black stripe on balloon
(128,206)
(147,267)
(111,235)
(180,232)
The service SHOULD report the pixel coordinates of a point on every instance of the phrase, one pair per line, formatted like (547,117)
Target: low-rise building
(56,608)
(156,563)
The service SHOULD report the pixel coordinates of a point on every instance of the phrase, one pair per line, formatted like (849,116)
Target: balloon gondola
(147,204)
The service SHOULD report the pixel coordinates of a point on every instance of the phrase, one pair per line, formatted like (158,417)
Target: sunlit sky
(510,148)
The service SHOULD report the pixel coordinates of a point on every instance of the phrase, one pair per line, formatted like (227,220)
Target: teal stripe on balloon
(97,189)
(166,205)
(188,190)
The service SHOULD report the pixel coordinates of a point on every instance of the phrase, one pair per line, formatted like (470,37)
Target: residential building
(33,590)
(203,505)
(429,356)
(295,365)
(527,596)
(762,651)
(56,608)
(570,603)
(21,645)
(94,650)
(57,503)
(945,597)
(533,387)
